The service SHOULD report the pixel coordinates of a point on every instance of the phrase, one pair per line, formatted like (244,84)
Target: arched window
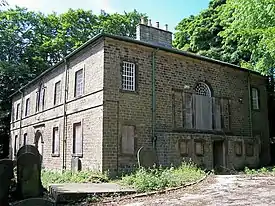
(203,89)
(203,107)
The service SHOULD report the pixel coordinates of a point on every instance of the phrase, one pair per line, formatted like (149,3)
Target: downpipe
(154,137)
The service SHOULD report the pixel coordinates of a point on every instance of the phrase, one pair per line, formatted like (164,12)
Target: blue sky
(164,11)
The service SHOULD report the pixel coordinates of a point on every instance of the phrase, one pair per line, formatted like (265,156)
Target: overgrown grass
(261,171)
(160,178)
(54,177)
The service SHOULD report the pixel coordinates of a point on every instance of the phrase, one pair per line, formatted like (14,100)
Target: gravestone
(29,183)
(35,202)
(147,158)
(6,174)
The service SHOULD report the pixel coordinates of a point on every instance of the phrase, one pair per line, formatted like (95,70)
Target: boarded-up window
(177,100)
(79,83)
(77,139)
(249,149)
(183,147)
(188,113)
(128,140)
(55,141)
(27,107)
(238,148)
(17,111)
(217,113)
(25,139)
(225,110)
(57,93)
(255,98)
(199,148)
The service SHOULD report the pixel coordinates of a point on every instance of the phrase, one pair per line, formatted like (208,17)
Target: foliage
(161,178)
(32,41)
(261,171)
(54,177)
(236,31)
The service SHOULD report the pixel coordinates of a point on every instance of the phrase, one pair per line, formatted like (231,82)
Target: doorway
(218,155)
(39,144)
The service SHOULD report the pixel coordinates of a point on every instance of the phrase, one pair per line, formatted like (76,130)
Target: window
(199,148)
(238,148)
(57,93)
(129,76)
(55,141)
(27,107)
(249,149)
(25,139)
(183,147)
(16,146)
(17,111)
(255,99)
(79,79)
(40,98)
(128,140)
(77,139)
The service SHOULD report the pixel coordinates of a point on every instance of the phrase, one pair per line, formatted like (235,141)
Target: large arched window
(203,107)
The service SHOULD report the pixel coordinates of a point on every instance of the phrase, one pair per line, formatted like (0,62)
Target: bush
(160,178)
(261,171)
(55,177)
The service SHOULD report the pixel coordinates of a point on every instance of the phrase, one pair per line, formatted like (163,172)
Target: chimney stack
(153,34)
(157,24)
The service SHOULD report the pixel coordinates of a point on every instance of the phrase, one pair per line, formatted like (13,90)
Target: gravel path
(216,190)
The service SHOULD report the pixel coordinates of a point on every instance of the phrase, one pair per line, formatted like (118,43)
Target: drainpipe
(21,115)
(250,104)
(154,138)
(64,139)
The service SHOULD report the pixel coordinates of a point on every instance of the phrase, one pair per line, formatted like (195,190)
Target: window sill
(77,155)
(129,91)
(55,155)
(256,110)
(127,155)
(218,132)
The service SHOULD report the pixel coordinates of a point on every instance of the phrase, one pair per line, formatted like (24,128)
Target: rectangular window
(77,139)
(255,99)
(15,146)
(57,93)
(25,139)
(27,107)
(17,111)
(79,83)
(37,100)
(199,148)
(43,93)
(129,76)
(249,149)
(183,147)
(55,141)
(238,148)
(128,140)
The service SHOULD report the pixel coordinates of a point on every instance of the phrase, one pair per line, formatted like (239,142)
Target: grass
(160,178)
(142,179)
(55,177)
(261,171)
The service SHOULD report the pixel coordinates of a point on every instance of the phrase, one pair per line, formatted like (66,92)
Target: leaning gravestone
(6,174)
(29,183)
(35,202)
(147,158)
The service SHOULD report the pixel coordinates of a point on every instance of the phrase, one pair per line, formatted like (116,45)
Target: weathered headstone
(147,158)
(35,201)
(6,174)
(29,172)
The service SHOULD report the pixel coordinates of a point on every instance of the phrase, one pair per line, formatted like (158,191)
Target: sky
(169,12)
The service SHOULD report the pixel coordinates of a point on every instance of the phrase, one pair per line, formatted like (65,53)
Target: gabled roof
(127,39)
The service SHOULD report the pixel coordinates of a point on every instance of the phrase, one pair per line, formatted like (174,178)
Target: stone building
(113,95)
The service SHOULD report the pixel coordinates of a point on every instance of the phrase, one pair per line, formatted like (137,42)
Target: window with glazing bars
(57,93)
(129,76)
(79,78)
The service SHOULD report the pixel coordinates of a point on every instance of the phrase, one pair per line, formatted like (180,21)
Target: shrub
(160,178)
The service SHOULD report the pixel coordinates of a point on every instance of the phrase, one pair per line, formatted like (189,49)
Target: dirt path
(216,190)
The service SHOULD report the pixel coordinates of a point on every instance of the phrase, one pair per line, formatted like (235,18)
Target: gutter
(64,136)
